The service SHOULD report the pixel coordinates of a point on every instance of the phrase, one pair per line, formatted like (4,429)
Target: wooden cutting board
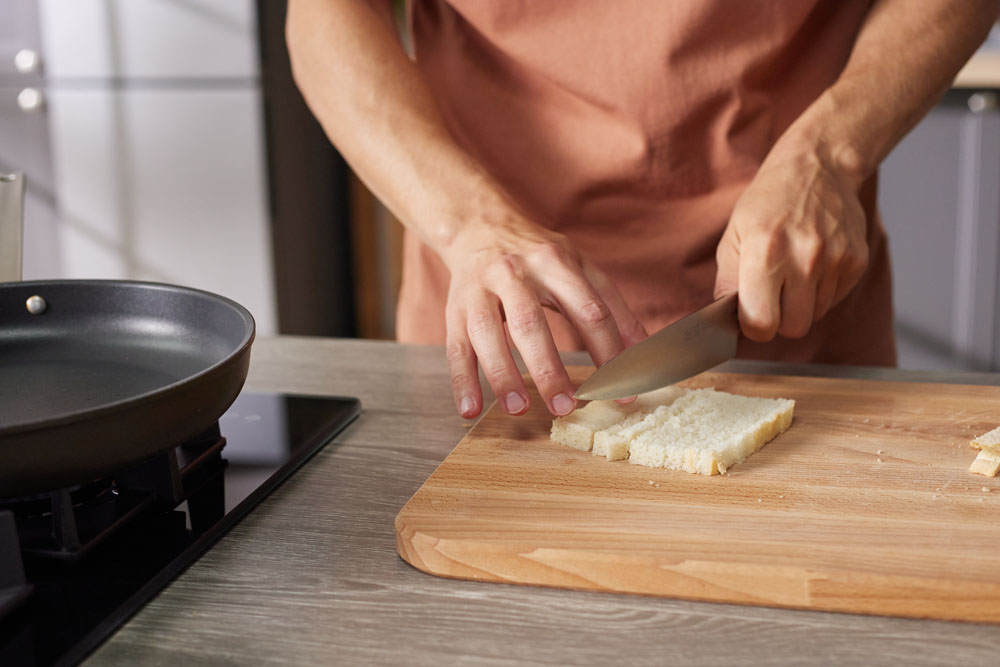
(864,505)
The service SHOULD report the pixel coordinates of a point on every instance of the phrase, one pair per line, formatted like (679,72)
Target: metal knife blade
(703,339)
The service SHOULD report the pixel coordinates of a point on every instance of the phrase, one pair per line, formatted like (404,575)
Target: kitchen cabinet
(940,201)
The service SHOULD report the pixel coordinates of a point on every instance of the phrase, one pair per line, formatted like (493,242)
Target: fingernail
(562,404)
(514,402)
(466,405)
(625,401)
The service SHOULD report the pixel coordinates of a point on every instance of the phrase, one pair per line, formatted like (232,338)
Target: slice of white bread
(986,463)
(700,431)
(988,441)
(577,429)
(707,431)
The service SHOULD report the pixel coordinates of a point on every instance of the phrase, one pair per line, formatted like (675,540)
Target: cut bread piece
(613,442)
(988,441)
(707,431)
(577,429)
(987,463)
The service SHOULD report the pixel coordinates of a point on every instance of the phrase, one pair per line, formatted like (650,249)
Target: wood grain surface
(864,505)
(311,576)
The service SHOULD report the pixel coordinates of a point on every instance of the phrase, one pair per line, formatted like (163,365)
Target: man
(575,173)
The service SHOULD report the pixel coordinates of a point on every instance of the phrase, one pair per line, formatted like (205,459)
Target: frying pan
(96,375)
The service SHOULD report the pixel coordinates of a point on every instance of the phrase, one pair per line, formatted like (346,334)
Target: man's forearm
(377,110)
(905,57)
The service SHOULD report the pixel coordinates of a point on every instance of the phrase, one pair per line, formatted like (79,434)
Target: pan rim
(154,394)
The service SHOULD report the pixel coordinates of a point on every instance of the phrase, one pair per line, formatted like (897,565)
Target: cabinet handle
(27,61)
(983,101)
(31,100)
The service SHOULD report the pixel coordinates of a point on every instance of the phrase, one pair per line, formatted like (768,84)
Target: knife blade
(695,343)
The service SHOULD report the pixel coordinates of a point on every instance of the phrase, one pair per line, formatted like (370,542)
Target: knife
(703,339)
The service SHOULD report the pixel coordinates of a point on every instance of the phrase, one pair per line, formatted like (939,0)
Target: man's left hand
(794,247)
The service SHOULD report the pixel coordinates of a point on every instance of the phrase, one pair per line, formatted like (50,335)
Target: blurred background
(165,140)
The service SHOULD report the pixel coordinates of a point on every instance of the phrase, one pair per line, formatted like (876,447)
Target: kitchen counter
(311,576)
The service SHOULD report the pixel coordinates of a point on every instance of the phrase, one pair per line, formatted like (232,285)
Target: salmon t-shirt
(632,127)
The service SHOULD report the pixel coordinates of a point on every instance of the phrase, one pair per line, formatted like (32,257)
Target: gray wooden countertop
(311,576)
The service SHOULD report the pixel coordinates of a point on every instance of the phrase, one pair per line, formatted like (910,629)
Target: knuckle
(595,312)
(551,251)
(526,319)
(758,329)
(633,330)
(775,247)
(480,323)
(547,375)
(494,369)
(507,268)
(461,381)
(836,254)
(814,267)
(458,352)
(859,260)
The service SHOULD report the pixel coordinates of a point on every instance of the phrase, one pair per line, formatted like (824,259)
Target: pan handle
(11,226)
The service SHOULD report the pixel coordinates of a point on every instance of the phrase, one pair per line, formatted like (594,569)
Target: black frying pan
(104,374)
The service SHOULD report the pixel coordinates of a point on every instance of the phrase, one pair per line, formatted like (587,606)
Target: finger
(727,257)
(462,366)
(630,329)
(579,301)
(825,293)
(798,298)
(760,283)
(561,279)
(484,326)
(856,264)
(530,332)
(798,291)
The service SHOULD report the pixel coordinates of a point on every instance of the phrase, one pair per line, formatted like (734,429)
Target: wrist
(442,209)
(480,216)
(823,134)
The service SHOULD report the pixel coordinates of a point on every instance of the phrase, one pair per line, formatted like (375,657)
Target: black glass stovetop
(77,604)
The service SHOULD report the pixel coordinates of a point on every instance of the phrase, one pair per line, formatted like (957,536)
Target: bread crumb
(933,495)
(879,460)
(985,489)
(657,485)
(866,420)
(782,497)
(879,452)
(651,482)
(758,500)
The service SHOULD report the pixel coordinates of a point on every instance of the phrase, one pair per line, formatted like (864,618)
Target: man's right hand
(507,270)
